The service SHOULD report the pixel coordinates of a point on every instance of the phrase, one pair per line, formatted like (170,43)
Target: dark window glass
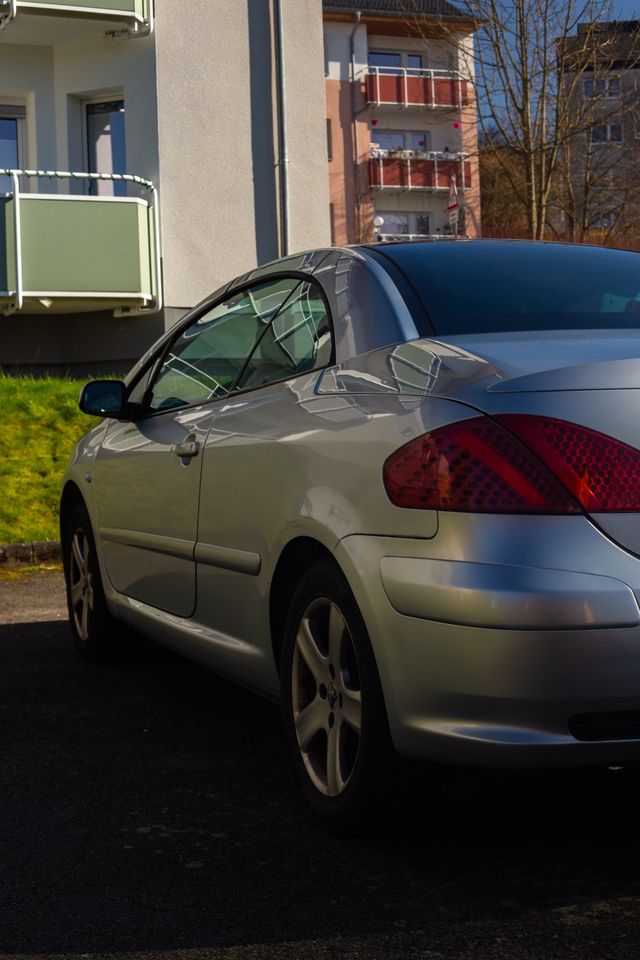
(491,286)
(389,62)
(8,150)
(298,339)
(414,61)
(203,363)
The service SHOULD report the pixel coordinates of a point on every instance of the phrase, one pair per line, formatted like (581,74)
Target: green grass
(39,425)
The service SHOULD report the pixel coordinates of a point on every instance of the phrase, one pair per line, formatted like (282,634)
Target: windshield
(499,286)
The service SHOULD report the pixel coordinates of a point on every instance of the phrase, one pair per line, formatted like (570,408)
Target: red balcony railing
(431,171)
(407,87)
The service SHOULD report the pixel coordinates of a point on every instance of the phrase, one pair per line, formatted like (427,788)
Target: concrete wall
(217,138)
(306,120)
(107,68)
(26,79)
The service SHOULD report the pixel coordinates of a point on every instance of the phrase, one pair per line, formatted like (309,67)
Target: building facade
(183,97)
(159,149)
(402,119)
(598,197)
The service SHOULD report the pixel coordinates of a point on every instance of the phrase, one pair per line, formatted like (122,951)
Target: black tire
(366,762)
(96,634)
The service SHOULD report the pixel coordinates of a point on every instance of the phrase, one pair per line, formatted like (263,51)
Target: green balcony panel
(137,9)
(80,253)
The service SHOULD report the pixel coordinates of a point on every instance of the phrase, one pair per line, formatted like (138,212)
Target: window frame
(407,143)
(402,54)
(607,126)
(606,93)
(17,112)
(155,363)
(91,187)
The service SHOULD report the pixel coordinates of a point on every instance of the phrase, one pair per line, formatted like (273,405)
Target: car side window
(298,339)
(204,361)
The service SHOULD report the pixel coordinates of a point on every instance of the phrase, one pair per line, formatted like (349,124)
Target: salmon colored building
(401,119)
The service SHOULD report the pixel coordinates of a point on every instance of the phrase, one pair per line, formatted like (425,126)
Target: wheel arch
(296,558)
(70,499)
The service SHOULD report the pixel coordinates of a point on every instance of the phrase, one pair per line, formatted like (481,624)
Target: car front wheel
(95,632)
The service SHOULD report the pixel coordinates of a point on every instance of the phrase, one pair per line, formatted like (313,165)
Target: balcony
(413,170)
(71,253)
(55,21)
(408,87)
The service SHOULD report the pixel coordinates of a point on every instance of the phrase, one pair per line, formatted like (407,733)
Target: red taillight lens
(602,474)
(474,466)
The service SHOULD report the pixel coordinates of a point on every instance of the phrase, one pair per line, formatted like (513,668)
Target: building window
(605,88)
(106,151)
(392,63)
(329,140)
(11,123)
(604,222)
(403,224)
(332,223)
(402,139)
(606,133)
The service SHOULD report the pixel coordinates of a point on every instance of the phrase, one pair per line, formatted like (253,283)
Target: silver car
(396,487)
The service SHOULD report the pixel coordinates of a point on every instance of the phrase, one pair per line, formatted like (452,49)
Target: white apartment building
(187,102)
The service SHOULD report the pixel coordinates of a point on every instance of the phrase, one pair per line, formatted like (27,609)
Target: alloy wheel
(326,696)
(81,583)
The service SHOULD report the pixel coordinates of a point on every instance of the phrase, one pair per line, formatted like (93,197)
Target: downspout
(283,143)
(354,112)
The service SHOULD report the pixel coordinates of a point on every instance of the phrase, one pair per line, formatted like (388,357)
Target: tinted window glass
(298,339)
(204,361)
(486,286)
(390,62)
(8,150)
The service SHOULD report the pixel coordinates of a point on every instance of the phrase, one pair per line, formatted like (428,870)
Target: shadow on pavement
(148,807)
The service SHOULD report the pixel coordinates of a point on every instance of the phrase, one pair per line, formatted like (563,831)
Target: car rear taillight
(602,474)
(474,466)
(515,463)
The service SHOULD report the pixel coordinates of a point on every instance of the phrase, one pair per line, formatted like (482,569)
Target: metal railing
(402,237)
(16,195)
(422,95)
(414,164)
(9,11)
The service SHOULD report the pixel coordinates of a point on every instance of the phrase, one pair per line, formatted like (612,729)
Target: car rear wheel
(333,708)
(95,632)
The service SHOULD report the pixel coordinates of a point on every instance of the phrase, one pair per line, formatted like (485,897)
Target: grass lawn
(39,425)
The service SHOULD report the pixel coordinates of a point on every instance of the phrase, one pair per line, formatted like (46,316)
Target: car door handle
(187,449)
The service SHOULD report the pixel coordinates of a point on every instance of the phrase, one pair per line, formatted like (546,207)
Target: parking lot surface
(146,810)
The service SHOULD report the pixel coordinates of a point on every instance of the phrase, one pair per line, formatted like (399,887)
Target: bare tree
(531,68)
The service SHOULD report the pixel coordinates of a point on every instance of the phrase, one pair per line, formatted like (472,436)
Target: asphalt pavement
(146,810)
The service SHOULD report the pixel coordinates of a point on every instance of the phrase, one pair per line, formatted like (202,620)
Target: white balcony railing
(413,87)
(404,237)
(418,170)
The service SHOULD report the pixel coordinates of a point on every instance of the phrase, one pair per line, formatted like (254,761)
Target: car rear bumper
(504,664)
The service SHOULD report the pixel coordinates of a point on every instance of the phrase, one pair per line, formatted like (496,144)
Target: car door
(251,481)
(147,472)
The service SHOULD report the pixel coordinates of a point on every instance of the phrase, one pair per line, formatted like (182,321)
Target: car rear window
(498,286)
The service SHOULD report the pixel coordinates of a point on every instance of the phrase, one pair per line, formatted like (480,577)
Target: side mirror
(104,398)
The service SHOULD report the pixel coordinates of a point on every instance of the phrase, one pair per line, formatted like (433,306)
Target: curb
(29,554)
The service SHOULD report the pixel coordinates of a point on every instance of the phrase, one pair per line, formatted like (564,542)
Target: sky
(628,9)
